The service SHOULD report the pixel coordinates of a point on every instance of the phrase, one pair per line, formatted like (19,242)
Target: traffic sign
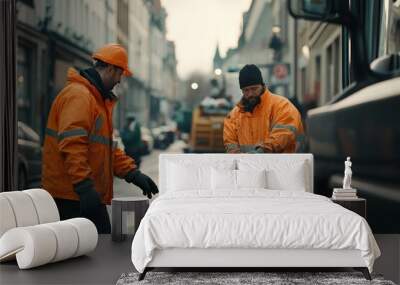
(280,71)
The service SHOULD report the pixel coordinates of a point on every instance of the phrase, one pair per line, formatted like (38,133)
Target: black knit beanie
(249,75)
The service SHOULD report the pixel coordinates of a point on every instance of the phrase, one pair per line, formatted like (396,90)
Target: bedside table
(126,207)
(357,205)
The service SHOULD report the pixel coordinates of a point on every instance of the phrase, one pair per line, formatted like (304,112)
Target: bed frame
(242,259)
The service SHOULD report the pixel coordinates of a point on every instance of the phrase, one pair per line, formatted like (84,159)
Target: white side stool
(120,208)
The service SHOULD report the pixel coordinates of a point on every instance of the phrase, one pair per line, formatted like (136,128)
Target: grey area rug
(229,278)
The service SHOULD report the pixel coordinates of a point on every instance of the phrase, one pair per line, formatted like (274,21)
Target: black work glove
(143,182)
(88,197)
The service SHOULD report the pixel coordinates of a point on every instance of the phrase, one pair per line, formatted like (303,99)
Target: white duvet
(250,219)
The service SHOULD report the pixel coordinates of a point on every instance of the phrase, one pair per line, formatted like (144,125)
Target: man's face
(252,91)
(113,77)
(251,96)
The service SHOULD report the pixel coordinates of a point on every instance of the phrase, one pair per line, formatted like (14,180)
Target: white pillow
(223,179)
(182,177)
(281,174)
(293,180)
(251,178)
(227,179)
(187,175)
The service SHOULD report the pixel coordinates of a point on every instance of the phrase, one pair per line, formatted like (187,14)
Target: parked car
(29,157)
(147,140)
(160,138)
(169,131)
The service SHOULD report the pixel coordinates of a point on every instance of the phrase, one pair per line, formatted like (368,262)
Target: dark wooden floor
(110,259)
(102,266)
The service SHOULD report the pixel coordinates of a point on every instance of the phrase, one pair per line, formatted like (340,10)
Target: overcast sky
(197,25)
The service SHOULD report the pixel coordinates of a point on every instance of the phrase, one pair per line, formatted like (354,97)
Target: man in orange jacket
(80,157)
(262,122)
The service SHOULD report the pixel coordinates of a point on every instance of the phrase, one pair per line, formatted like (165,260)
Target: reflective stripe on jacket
(274,126)
(78,142)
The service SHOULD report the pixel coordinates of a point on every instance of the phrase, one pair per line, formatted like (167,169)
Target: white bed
(247,210)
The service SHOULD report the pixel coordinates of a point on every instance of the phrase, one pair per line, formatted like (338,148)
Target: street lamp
(218,71)
(194,86)
(306,51)
(276,29)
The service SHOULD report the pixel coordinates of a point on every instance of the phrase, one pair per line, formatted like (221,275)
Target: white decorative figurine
(347,174)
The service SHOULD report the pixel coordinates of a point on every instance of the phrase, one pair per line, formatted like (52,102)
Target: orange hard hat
(114,54)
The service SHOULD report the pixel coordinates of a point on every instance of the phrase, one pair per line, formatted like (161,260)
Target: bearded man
(262,122)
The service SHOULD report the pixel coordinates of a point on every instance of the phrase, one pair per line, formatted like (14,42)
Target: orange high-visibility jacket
(274,126)
(78,142)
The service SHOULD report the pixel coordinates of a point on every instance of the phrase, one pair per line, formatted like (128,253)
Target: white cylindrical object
(34,246)
(7,218)
(45,206)
(67,239)
(87,235)
(23,208)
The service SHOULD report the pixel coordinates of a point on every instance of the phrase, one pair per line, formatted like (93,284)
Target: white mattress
(253,218)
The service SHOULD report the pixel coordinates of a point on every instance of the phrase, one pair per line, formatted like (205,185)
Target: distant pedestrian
(79,155)
(132,139)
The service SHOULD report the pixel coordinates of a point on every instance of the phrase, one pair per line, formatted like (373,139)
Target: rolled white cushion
(87,235)
(33,246)
(37,245)
(46,208)
(7,218)
(23,208)
(67,239)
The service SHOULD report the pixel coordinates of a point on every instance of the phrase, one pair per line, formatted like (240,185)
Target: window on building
(284,20)
(336,67)
(303,80)
(24,70)
(67,16)
(317,83)
(86,21)
(389,39)
(123,16)
(139,48)
(333,70)
(30,3)
(329,75)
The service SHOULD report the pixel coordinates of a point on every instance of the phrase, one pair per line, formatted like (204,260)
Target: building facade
(54,35)
(267,40)
(170,82)
(137,100)
(319,68)
(253,42)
